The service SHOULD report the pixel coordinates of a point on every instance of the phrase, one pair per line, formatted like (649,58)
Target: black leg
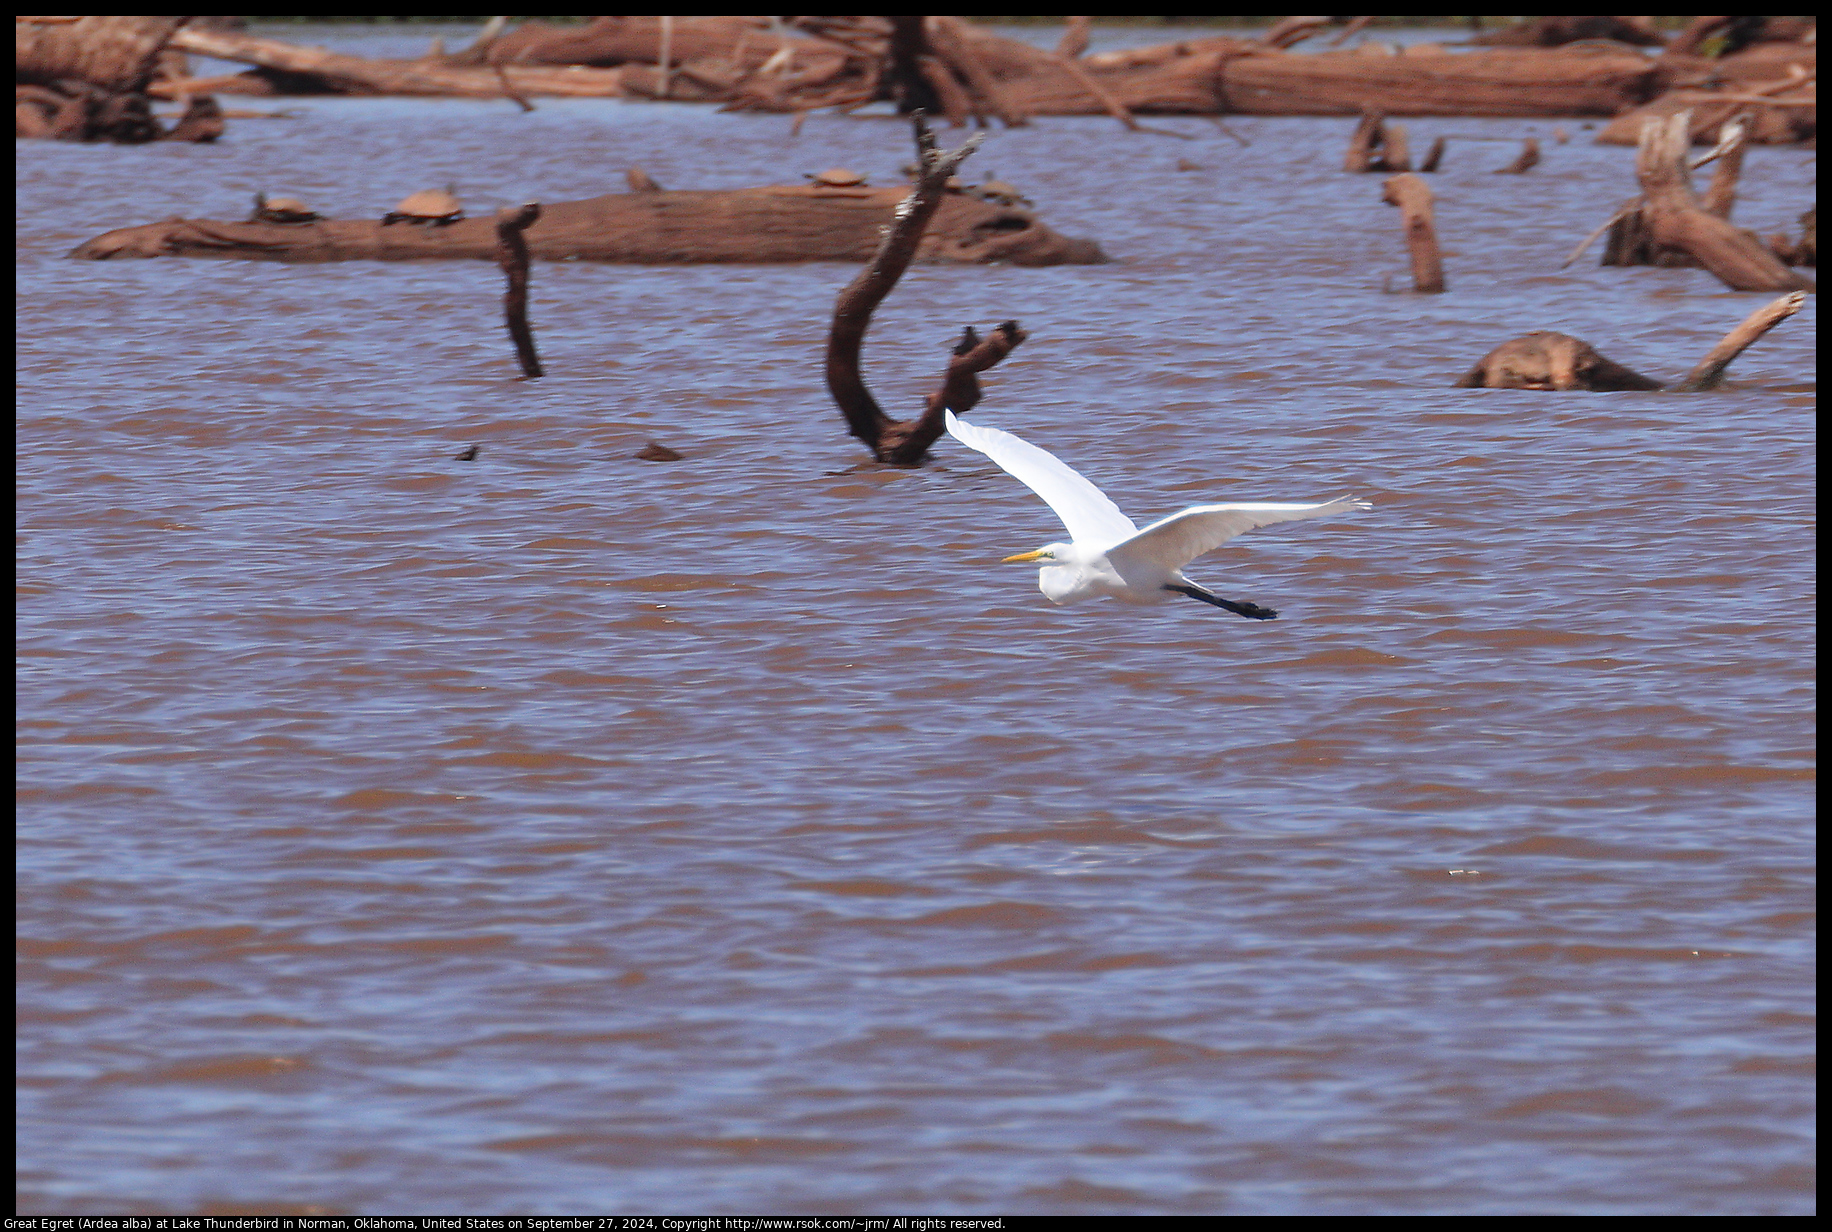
(1252,611)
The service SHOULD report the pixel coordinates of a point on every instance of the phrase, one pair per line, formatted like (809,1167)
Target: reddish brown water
(567,833)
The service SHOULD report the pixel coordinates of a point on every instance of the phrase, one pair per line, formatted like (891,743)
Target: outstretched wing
(1182,537)
(1083,508)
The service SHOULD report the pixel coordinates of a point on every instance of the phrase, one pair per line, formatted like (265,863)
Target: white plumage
(1109,554)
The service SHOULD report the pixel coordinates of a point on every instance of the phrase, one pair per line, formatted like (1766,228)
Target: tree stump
(1413,197)
(1669,225)
(1377,146)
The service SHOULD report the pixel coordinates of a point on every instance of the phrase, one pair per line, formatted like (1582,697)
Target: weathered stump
(1669,225)
(1377,146)
(1413,196)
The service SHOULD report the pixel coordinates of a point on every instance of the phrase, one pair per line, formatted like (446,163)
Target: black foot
(1252,611)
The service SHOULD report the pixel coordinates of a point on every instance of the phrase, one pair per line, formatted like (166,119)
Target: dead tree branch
(1710,371)
(905,442)
(512,255)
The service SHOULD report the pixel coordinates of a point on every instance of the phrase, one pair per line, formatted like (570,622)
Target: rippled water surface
(568,833)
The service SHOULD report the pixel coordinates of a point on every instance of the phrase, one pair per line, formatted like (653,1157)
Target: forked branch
(904,442)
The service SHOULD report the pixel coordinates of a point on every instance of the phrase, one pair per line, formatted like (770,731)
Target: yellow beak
(1024,557)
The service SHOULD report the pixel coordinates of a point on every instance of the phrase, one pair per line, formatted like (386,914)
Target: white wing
(1083,508)
(1182,537)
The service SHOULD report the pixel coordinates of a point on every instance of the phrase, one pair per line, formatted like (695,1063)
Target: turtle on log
(281,210)
(436,207)
(837,177)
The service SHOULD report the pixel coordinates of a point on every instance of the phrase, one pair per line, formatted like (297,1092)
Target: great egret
(1112,556)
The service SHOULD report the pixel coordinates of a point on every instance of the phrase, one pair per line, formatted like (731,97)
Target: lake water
(558,832)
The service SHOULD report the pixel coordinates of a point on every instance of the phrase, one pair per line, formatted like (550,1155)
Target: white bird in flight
(1110,555)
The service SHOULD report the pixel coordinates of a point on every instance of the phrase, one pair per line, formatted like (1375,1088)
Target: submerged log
(1547,360)
(1525,161)
(784,223)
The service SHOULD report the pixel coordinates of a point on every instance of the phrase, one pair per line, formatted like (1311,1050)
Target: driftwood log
(88,79)
(286,68)
(810,222)
(799,64)
(1774,76)
(1558,31)
(1547,360)
(1669,224)
(1780,112)
(1413,197)
(906,442)
(1585,80)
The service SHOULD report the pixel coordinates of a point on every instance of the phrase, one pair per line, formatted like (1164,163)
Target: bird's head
(1049,553)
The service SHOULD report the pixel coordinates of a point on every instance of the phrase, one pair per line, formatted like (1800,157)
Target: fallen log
(1787,115)
(1669,225)
(610,41)
(1547,360)
(1188,83)
(291,69)
(750,225)
(1558,31)
(115,54)
(1585,80)
(906,442)
(804,63)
